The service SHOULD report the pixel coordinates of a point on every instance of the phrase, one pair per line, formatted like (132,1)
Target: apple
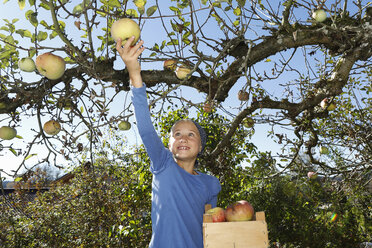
(26,64)
(319,15)
(50,65)
(125,28)
(239,211)
(170,65)
(124,125)
(243,95)
(182,72)
(52,127)
(207,107)
(7,133)
(248,122)
(218,214)
(331,106)
(312,175)
(323,150)
(324,104)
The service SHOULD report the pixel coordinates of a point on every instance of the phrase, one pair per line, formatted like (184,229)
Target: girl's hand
(129,55)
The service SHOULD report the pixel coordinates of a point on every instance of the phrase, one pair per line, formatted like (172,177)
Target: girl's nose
(183,138)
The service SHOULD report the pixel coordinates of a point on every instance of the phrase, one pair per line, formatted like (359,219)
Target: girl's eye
(191,134)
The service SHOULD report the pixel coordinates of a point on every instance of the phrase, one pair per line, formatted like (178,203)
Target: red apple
(218,214)
(243,95)
(239,211)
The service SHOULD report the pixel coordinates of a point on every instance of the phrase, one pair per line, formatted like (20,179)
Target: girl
(179,192)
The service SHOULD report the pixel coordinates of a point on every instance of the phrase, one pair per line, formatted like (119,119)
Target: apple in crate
(218,214)
(239,211)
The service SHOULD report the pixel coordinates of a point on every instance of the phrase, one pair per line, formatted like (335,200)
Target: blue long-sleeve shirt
(178,197)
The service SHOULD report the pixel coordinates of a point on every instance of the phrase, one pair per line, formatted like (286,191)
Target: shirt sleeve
(152,142)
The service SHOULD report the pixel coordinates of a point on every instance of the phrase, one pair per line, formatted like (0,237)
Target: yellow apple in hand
(125,28)
(50,65)
(52,127)
(26,64)
(7,133)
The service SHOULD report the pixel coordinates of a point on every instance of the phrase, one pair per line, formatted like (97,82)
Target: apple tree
(303,75)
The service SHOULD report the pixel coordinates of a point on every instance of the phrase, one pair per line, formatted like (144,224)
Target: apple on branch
(312,175)
(239,211)
(324,104)
(125,28)
(319,15)
(218,214)
(170,65)
(248,122)
(208,107)
(324,150)
(50,65)
(7,133)
(27,64)
(243,95)
(52,127)
(124,125)
(182,72)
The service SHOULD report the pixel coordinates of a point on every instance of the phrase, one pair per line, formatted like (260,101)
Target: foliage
(107,204)
(284,60)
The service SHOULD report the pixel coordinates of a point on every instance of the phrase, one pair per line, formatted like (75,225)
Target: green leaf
(237,11)
(32,17)
(114,3)
(131,12)
(53,35)
(42,36)
(141,10)
(21,4)
(18,179)
(30,156)
(241,3)
(13,151)
(78,9)
(139,3)
(150,11)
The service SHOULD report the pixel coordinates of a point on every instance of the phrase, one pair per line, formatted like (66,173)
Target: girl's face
(185,142)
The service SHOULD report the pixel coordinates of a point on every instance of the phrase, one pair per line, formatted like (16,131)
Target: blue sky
(9,161)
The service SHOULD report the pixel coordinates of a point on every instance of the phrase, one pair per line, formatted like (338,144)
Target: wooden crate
(243,234)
